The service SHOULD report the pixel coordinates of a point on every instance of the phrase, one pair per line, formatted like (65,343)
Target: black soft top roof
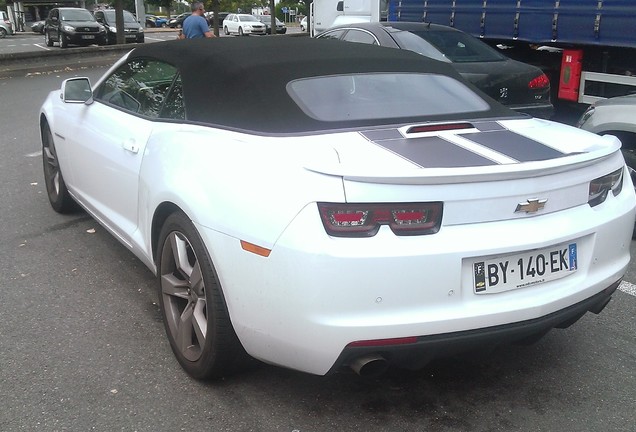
(240,83)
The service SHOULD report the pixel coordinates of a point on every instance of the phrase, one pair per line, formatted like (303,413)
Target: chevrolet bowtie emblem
(531,206)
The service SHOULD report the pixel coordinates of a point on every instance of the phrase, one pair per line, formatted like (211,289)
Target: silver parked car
(6,28)
(614,116)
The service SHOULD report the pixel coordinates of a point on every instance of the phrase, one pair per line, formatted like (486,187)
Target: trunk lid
(481,173)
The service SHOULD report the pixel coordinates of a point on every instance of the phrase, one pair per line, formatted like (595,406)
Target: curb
(27,63)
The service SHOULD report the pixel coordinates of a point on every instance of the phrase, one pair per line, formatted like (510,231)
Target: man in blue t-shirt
(196,26)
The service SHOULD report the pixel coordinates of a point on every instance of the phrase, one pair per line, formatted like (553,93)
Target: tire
(191,300)
(179,25)
(3,33)
(164,25)
(63,43)
(47,39)
(56,190)
(241,31)
(226,31)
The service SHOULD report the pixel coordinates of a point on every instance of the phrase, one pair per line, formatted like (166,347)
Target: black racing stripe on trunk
(487,126)
(434,152)
(514,145)
(382,134)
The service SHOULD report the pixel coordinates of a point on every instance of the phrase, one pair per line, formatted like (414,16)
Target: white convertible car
(364,207)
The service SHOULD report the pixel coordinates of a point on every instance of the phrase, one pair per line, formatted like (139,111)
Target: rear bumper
(417,354)
(304,305)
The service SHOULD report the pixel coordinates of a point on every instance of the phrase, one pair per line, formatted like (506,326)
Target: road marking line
(628,288)
(43,47)
(34,154)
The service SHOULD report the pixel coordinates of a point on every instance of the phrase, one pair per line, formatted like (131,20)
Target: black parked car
(517,85)
(38,27)
(267,20)
(177,22)
(133,31)
(73,26)
(209,16)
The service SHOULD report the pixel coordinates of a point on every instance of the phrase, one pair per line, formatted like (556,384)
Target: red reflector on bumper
(384,342)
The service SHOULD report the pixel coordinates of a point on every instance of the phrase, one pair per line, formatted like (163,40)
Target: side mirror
(77,90)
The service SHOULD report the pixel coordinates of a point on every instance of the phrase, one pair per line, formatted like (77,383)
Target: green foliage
(167,4)
(303,7)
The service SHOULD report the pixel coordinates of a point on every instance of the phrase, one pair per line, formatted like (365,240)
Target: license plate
(88,36)
(508,272)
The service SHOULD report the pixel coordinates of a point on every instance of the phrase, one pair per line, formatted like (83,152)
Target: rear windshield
(76,15)
(460,47)
(413,42)
(128,17)
(383,96)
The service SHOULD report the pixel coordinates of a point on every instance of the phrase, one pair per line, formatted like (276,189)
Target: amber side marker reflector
(384,342)
(255,249)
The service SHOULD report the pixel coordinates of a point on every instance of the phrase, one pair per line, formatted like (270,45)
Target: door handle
(131,146)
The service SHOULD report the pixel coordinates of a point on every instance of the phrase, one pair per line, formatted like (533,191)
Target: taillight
(364,220)
(600,187)
(541,81)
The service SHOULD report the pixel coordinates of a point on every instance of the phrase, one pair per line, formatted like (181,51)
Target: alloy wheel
(183,294)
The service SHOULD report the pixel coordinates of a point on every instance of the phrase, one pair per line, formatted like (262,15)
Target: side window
(335,34)
(361,37)
(140,86)
(173,107)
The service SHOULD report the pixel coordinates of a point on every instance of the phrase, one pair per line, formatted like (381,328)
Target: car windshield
(76,15)
(247,18)
(110,16)
(460,47)
(382,95)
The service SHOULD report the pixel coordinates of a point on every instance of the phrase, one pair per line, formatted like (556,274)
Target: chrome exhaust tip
(370,366)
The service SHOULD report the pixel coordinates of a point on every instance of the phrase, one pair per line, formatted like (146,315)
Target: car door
(234,24)
(107,145)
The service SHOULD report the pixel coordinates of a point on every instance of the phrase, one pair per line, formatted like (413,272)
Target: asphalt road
(82,346)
